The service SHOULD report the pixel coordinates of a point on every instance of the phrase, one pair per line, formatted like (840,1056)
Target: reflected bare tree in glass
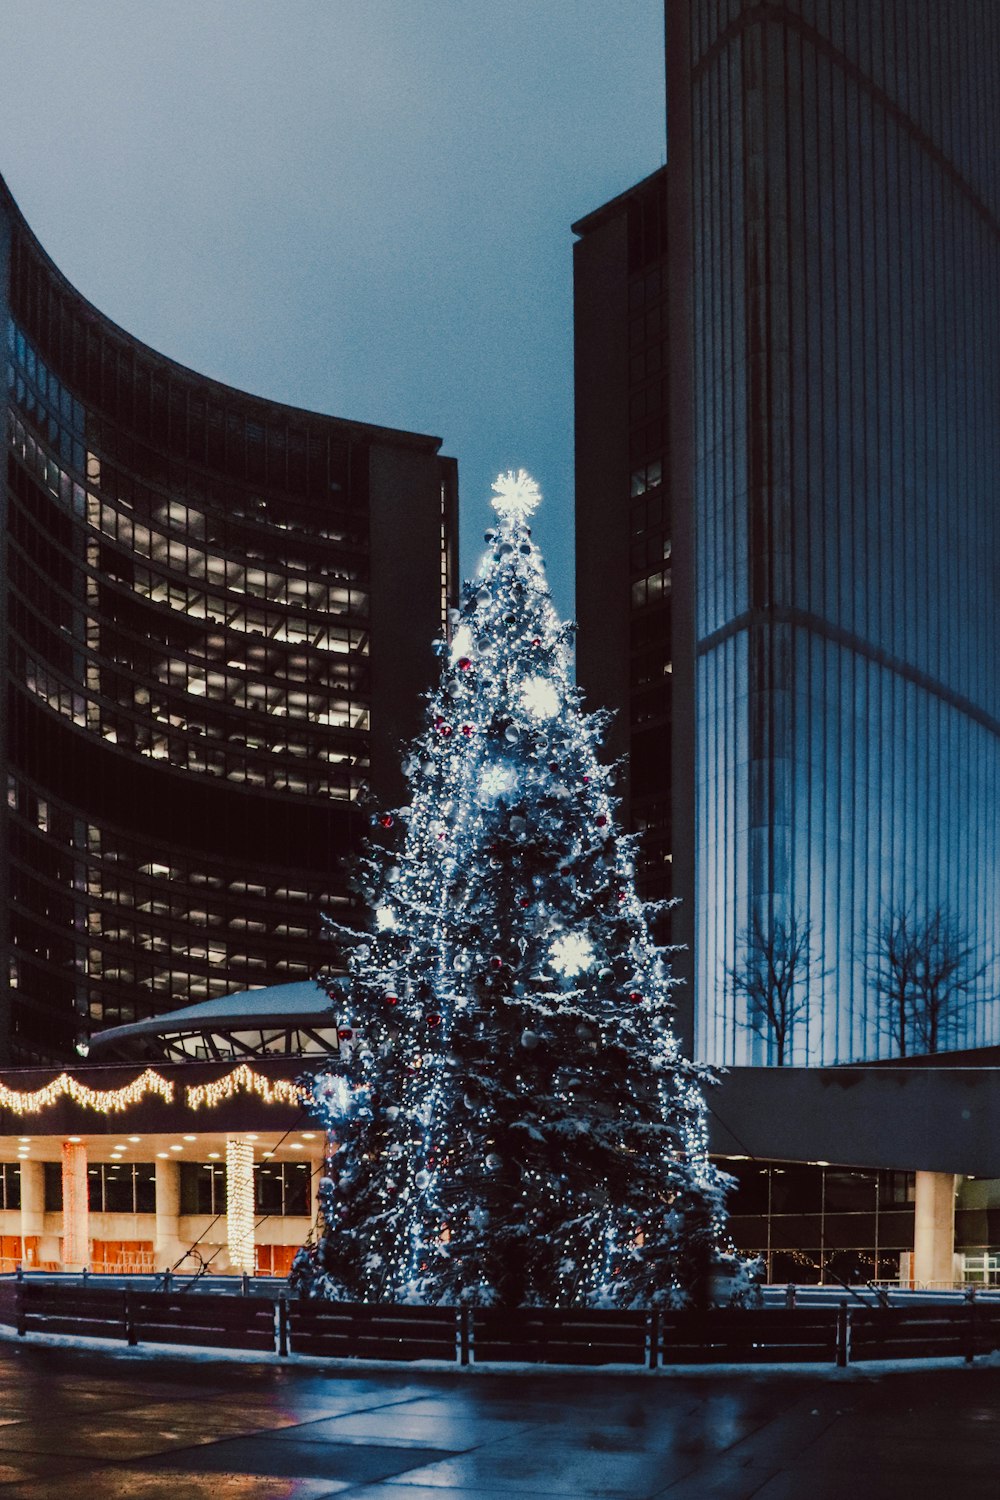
(772,973)
(921,965)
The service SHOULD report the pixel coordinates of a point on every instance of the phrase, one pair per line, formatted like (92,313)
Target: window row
(651,590)
(215,573)
(281,1188)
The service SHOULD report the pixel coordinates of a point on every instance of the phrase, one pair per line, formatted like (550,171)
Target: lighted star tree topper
(528,1131)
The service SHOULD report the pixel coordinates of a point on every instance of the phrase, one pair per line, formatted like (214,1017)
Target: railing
(838,1334)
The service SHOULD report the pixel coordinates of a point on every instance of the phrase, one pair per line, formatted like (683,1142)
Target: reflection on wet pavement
(76,1424)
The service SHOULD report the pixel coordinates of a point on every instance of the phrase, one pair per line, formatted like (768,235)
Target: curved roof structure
(283,1020)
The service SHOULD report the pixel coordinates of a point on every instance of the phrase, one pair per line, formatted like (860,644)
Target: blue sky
(359,206)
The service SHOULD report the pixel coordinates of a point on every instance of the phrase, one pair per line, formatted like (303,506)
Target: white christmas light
(539,698)
(239,1204)
(495,781)
(571,953)
(515,496)
(385,918)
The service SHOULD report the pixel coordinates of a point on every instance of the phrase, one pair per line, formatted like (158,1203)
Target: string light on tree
(529,1131)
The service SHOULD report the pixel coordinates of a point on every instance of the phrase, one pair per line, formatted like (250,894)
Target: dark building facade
(816,329)
(216,619)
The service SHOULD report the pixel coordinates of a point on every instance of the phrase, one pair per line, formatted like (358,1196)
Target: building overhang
(909,1118)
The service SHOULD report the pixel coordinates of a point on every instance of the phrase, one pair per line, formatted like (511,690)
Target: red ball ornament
(434,1019)
(600,820)
(554,767)
(345,1033)
(466,730)
(525,901)
(444,730)
(392,999)
(635,995)
(537,640)
(496,963)
(585,779)
(464,663)
(386,820)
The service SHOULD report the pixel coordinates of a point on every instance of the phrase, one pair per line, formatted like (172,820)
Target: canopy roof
(283,1019)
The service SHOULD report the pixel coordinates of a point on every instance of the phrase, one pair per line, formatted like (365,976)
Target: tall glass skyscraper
(830,302)
(216,618)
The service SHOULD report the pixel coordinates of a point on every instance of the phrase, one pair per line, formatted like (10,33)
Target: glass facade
(191,618)
(814,1225)
(845,198)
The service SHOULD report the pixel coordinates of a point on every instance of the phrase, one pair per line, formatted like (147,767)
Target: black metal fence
(842,1334)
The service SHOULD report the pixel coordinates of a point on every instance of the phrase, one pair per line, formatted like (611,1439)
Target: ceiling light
(190,1137)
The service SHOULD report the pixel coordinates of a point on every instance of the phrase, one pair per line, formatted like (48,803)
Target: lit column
(32,1208)
(76,1207)
(240,1203)
(934,1229)
(167,1249)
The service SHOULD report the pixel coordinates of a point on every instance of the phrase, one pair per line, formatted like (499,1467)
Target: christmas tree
(514,1120)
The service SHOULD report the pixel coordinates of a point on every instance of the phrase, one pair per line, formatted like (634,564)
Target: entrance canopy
(285,1020)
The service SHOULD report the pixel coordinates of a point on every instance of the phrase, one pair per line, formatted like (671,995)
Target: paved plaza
(82,1425)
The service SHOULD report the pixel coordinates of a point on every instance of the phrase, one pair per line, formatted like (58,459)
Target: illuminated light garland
(241,1080)
(240,1204)
(104,1101)
(76,1207)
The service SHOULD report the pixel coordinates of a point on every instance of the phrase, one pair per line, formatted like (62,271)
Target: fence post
(245,1285)
(843,1336)
(130,1333)
(654,1337)
(21,1313)
(283,1327)
(464,1335)
(970,1329)
(790,1295)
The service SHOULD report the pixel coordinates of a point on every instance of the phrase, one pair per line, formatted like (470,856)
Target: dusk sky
(358,206)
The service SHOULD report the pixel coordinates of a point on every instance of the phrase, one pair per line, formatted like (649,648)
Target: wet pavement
(84,1425)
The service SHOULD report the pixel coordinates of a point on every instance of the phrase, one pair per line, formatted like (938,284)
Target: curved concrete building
(216,617)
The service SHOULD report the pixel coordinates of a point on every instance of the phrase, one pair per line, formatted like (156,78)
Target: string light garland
(239,1204)
(242,1080)
(76,1208)
(104,1101)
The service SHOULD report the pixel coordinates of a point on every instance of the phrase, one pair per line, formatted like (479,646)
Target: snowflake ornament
(571,954)
(515,496)
(496,781)
(539,698)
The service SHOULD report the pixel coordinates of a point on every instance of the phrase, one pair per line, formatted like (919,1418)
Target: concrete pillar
(168,1248)
(76,1207)
(32,1207)
(934,1229)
